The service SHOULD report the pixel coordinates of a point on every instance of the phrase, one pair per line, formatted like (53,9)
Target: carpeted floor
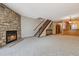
(54,45)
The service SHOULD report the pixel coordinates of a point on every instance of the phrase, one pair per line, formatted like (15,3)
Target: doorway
(58,27)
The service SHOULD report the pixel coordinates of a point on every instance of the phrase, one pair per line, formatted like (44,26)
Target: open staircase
(42,28)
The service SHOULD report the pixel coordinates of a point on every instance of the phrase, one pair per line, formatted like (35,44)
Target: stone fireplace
(10,25)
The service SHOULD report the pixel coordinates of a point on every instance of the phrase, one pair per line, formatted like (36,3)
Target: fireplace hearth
(11,36)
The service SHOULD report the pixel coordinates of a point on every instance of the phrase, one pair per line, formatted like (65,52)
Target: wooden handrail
(44,26)
(41,29)
(38,25)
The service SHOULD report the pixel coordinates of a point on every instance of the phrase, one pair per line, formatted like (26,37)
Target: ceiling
(53,11)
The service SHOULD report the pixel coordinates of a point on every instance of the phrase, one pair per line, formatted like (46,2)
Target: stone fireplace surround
(9,21)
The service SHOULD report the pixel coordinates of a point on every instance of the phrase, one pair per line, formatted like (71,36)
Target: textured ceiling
(45,10)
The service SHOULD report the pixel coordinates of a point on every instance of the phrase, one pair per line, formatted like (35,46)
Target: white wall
(27,26)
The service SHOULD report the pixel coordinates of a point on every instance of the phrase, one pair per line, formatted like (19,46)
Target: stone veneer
(9,21)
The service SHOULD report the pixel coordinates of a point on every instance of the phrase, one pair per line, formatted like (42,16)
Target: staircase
(42,28)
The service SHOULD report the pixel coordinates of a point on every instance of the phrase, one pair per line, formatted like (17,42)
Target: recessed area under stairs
(45,46)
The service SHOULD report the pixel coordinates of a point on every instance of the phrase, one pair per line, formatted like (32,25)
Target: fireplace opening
(11,36)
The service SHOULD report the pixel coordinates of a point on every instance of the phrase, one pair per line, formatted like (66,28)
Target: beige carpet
(54,45)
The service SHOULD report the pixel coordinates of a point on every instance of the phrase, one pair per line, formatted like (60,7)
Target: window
(74,26)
